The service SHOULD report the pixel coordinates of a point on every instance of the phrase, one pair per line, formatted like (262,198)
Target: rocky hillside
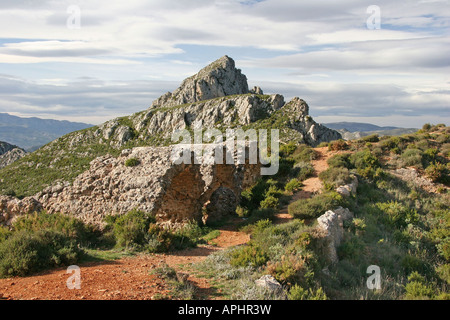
(10,154)
(216,97)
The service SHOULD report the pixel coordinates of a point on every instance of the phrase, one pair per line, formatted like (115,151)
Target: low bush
(372,138)
(296,292)
(304,153)
(397,214)
(412,158)
(338,145)
(290,269)
(365,162)
(249,255)
(417,289)
(132,162)
(303,170)
(316,206)
(335,177)
(293,185)
(69,226)
(340,161)
(24,252)
(131,229)
(438,172)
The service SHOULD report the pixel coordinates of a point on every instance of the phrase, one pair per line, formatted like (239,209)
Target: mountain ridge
(62,160)
(33,133)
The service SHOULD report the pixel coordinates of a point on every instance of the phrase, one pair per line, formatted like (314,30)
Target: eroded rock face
(10,154)
(332,223)
(219,79)
(226,111)
(174,193)
(11,208)
(310,131)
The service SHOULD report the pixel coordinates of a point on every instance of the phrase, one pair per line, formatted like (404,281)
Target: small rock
(268,282)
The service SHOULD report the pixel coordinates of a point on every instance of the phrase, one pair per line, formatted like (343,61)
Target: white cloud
(322,48)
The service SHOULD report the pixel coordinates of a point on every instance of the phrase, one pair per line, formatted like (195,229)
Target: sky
(382,62)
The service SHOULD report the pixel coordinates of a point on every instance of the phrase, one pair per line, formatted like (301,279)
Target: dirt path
(310,186)
(128,278)
(131,278)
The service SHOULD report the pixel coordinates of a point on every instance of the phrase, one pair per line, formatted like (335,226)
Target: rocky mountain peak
(218,79)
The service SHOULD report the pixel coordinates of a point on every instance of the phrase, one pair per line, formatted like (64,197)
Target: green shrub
(293,185)
(287,149)
(351,248)
(438,172)
(249,255)
(4,233)
(444,248)
(340,161)
(24,252)
(252,197)
(372,138)
(270,202)
(304,153)
(303,170)
(416,288)
(273,191)
(296,292)
(397,214)
(290,269)
(426,127)
(365,163)
(285,167)
(443,138)
(132,162)
(131,229)
(316,206)
(242,212)
(335,176)
(69,226)
(412,157)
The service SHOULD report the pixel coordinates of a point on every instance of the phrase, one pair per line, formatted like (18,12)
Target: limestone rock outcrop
(219,79)
(11,208)
(348,189)
(10,154)
(332,223)
(174,193)
(269,282)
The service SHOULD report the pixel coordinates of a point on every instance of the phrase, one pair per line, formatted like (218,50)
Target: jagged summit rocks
(219,79)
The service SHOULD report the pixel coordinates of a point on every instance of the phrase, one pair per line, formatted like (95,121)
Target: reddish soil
(125,279)
(131,278)
(310,186)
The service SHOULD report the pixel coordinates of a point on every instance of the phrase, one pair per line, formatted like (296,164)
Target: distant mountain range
(356,130)
(32,133)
